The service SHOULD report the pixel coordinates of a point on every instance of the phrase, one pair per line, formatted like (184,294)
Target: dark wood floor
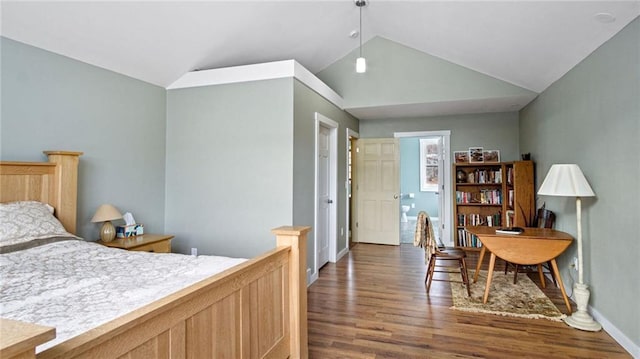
(373,304)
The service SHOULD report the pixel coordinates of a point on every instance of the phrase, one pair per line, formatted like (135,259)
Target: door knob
(329,201)
(395,196)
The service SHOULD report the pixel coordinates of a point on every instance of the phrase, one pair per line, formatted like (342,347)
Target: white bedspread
(75,286)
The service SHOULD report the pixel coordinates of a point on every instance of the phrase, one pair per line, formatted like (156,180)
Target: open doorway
(425,176)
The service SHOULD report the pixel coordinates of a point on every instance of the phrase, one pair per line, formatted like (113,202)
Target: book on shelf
(475,219)
(466,239)
(510,175)
(484,176)
(484,196)
(510,198)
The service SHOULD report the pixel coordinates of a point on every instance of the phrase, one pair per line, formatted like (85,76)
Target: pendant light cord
(360,30)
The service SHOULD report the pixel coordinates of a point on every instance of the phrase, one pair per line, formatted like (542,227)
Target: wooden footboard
(255,310)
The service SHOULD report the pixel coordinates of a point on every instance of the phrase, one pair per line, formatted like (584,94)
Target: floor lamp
(568,181)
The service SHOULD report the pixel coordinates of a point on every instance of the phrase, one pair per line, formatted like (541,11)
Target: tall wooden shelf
(489,192)
(519,189)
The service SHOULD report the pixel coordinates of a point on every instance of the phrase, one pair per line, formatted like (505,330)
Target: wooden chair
(544,219)
(434,256)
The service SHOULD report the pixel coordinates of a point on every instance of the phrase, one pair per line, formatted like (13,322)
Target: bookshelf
(485,194)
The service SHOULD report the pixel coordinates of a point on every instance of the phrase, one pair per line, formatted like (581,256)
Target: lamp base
(107,232)
(581,319)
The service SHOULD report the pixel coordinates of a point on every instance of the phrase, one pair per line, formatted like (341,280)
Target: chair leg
(461,267)
(432,267)
(426,277)
(515,275)
(465,276)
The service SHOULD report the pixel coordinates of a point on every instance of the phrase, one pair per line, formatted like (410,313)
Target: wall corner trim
(257,72)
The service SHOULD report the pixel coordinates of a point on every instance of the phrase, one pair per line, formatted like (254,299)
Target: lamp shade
(361,65)
(565,180)
(106,212)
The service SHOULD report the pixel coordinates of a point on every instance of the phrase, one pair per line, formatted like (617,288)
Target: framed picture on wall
(461,156)
(491,155)
(476,155)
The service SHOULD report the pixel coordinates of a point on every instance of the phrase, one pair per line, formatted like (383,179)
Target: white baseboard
(342,253)
(311,277)
(616,334)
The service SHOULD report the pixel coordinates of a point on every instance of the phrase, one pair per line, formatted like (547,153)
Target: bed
(256,309)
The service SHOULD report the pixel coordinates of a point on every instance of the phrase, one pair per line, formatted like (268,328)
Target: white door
(377,163)
(324,195)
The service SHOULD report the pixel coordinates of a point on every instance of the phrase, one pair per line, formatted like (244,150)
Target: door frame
(324,121)
(350,133)
(446,222)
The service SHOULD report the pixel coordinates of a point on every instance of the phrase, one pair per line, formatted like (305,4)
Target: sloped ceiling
(403,82)
(527,44)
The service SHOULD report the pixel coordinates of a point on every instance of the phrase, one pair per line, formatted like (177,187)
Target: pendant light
(361,62)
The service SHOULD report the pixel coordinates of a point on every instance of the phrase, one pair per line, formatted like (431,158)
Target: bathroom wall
(410,179)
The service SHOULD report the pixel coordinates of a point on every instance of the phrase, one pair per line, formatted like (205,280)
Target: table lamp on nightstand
(107,213)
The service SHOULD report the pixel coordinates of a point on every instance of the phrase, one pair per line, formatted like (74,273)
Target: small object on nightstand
(130,228)
(126,231)
(107,213)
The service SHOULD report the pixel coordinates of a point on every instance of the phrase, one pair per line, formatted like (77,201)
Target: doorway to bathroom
(425,173)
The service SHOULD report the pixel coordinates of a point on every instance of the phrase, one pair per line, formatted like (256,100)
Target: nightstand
(158,243)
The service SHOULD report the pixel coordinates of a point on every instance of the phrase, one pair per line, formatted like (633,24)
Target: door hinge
(356,224)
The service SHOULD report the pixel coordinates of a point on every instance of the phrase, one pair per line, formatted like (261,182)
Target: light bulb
(361,65)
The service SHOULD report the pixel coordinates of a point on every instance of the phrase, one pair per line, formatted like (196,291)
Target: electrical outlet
(194,252)
(575,263)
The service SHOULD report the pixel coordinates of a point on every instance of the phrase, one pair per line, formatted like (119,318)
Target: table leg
(480,258)
(542,281)
(492,263)
(556,273)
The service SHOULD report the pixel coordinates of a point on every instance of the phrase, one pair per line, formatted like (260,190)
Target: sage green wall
(51,102)
(493,131)
(591,117)
(397,74)
(229,166)
(306,103)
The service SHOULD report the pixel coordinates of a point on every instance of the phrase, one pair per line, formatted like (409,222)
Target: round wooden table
(531,247)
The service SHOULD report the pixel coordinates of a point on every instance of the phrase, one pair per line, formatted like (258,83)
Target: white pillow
(28,220)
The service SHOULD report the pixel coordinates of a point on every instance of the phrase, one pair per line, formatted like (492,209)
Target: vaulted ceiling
(529,44)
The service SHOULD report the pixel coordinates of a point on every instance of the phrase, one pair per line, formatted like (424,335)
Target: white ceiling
(530,44)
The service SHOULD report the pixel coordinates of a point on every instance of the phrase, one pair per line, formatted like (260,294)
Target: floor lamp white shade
(567,180)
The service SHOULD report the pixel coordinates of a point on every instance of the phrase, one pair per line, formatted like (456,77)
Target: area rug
(523,299)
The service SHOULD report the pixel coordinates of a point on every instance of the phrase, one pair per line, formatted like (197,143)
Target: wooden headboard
(54,182)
